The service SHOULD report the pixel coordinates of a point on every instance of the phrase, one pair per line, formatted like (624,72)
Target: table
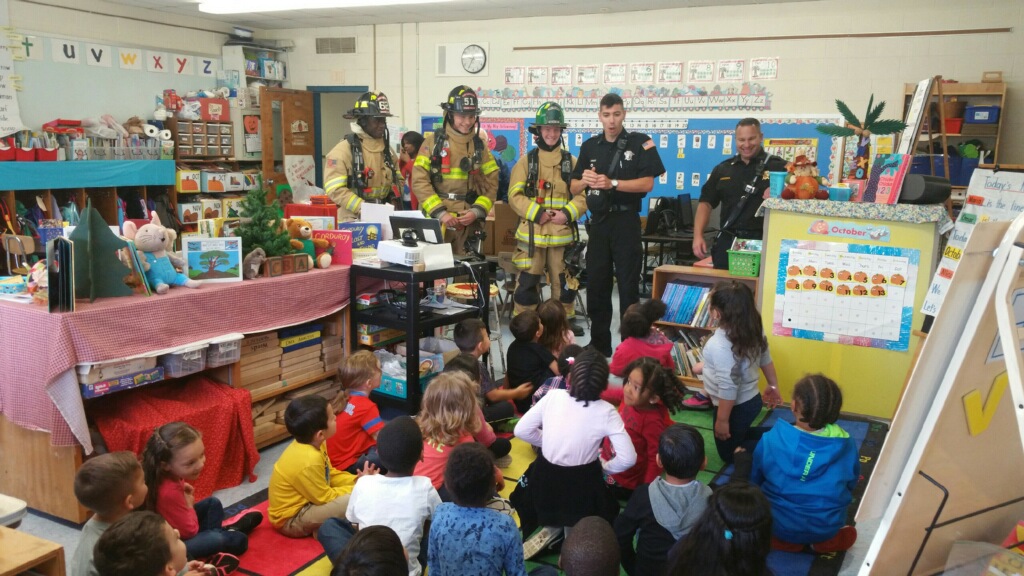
(20,552)
(412,322)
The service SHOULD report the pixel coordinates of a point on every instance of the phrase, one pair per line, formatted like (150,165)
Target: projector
(431,256)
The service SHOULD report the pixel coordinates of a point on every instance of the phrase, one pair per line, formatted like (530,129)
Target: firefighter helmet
(370,105)
(462,99)
(549,114)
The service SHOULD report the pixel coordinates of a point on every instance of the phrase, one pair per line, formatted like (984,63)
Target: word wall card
(846,293)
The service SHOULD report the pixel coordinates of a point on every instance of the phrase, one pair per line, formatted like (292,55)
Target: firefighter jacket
(456,182)
(558,198)
(339,180)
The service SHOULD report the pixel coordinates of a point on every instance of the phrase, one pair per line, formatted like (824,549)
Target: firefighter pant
(545,261)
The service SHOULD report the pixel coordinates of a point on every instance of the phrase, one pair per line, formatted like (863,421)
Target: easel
(934,90)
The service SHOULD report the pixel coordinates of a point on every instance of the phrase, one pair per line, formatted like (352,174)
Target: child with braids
(174,456)
(807,470)
(732,538)
(650,393)
(733,358)
(566,481)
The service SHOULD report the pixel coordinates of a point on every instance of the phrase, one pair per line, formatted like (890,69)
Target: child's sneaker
(843,540)
(221,564)
(247,523)
(542,540)
(697,402)
(505,426)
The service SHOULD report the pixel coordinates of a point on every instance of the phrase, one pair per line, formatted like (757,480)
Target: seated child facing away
(465,536)
(529,362)
(359,420)
(590,550)
(731,538)
(807,471)
(398,500)
(636,328)
(111,485)
(557,332)
(472,338)
(144,544)
(500,447)
(174,456)
(305,490)
(650,394)
(660,513)
(373,551)
(565,361)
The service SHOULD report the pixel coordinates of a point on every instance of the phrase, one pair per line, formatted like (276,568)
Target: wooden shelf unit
(202,140)
(21,552)
(238,58)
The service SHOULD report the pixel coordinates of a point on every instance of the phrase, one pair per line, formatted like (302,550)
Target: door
(289,138)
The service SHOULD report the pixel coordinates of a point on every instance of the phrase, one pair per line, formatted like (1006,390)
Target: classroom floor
(67,534)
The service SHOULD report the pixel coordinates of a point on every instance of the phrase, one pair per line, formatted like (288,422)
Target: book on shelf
(684,302)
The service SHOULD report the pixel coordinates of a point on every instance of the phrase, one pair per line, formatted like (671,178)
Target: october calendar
(846,293)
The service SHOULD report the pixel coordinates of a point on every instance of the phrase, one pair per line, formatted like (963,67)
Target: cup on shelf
(776,182)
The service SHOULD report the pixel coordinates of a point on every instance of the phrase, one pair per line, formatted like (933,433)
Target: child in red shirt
(649,394)
(359,421)
(640,338)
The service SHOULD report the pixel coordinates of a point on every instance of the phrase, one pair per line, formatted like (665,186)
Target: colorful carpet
(271,554)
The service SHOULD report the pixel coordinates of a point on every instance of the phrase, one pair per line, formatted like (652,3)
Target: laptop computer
(425,229)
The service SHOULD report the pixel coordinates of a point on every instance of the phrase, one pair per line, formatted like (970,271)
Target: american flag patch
(649,144)
(332,162)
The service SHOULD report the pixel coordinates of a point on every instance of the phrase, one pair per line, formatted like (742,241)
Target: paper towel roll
(165,135)
(150,130)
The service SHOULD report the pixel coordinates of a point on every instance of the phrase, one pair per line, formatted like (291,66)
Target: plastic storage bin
(12,510)
(982,115)
(224,350)
(184,361)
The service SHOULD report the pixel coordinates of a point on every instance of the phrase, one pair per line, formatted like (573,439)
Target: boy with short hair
(667,509)
(359,421)
(111,485)
(590,550)
(529,362)
(472,338)
(398,499)
(305,490)
(144,544)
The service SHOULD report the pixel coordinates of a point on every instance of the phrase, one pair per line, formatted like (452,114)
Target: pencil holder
(46,154)
(25,154)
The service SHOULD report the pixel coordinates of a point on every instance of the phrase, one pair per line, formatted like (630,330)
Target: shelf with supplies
(202,139)
(257,67)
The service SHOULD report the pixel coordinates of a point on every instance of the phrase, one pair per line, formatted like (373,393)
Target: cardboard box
(231,207)
(210,208)
(186,180)
(505,223)
(377,338)
(214,109)
(189,211)
(488,244)
(251,180)
(93,373)
(235,182)
(125,382)
(211,180)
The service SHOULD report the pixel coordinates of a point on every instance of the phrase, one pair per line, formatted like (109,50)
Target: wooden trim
(955,32)
(38,472)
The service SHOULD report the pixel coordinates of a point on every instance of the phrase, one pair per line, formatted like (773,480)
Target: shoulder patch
(332,162)
(649,144)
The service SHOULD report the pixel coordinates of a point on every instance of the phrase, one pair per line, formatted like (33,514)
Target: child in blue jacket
(807,471)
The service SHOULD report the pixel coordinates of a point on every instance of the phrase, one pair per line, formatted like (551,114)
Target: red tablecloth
(221,413)
(38,349)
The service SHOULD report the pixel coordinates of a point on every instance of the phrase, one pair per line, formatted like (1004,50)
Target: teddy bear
(803,181)
(301,233)
(159,264)
(135,127)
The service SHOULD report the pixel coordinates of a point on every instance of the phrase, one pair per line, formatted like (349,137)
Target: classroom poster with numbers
(852,294)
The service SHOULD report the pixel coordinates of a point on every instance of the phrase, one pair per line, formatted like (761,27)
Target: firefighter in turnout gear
(548,211)
(362,168)
(455,178)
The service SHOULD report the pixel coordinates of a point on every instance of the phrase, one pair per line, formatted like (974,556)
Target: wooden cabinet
(257,67)
(202,140)
(21,552)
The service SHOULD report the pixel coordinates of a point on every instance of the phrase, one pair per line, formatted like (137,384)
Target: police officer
(361,168)
(616,169)
(548,211)
(729,182)
(455,178)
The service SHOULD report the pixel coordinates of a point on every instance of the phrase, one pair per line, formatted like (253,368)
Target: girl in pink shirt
(173,457)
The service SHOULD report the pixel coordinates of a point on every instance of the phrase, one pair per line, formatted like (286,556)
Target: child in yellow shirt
(305,490)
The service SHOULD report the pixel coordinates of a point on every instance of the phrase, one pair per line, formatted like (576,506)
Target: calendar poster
(851,294)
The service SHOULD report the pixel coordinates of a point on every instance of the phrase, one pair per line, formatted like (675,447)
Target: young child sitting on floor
(173,457)
(636,328)
(561,382)
(500,447)
(529,362)
(305,490)
(398,500)
(472,338)
(359,420)
(557,333)
(590,550)
(373,551)
(144,544)
(650,394)
(807,471)
(660,513)
(111,485)
(448,417)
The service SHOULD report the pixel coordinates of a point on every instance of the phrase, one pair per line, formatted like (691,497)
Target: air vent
(345,45)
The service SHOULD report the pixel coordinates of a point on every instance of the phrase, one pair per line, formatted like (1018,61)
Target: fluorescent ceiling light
(245,6)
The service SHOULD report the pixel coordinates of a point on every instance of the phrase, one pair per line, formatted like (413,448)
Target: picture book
(364,234)
(321,222)
(340,245)
(886,178)
(214,259)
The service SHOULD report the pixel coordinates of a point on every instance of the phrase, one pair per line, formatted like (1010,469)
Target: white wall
(813,73)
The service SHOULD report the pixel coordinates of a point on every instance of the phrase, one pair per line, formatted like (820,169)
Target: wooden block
(259,338)
(260,408)
(301,352)
(332,357)
(303,376)
(264,418)
(257,384)
(273,352)
(332,328)
(332,368)
(299,359)
(314,388)
(261,365)
(301,262)
(259,430)
(269,387)
(272,372)
(316,367)
(330,339)
(274,266)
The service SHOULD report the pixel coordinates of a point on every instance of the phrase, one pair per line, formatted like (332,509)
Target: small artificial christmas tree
(261,225)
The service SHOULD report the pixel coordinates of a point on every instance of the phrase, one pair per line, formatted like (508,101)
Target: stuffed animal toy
(252,262)
(803,181)
(135,127)
(158,263)
(301,233)
(38,283)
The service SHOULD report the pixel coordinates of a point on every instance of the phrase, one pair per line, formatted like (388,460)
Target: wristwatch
(615,183)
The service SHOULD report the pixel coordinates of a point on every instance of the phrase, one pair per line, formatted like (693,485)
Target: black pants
(614,252)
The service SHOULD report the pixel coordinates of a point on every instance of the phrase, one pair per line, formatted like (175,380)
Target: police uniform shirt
(640,159)
(726,187)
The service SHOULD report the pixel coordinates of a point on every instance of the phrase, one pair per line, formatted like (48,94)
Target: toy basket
(745,257)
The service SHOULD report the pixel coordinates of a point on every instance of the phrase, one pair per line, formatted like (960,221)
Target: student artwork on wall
(614,74)
(561,75)
(587,74)
(585,97)
(670,72)
(641,73)
(515,75)
(700,71)
(853,294)
(764,68)
(732,70)
(789,148)
(537,75)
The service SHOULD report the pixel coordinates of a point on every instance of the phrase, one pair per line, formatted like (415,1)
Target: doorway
(329,106)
